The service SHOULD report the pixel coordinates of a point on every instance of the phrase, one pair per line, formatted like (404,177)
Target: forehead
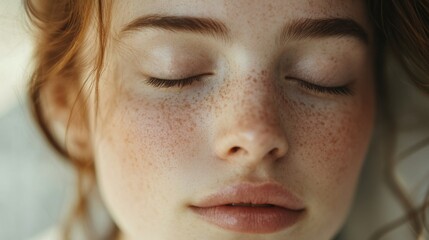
(242,15)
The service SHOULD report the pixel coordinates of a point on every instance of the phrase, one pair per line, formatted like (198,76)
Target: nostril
(274,152)
(234,150)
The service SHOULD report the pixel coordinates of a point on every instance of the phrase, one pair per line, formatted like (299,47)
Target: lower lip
(250,219)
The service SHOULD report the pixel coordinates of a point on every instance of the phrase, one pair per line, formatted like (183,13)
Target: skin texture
(157,151)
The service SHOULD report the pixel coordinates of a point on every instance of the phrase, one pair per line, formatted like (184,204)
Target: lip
(286,209)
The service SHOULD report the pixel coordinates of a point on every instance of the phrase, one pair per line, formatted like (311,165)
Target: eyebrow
(325,27)
(207,26)
(297,29)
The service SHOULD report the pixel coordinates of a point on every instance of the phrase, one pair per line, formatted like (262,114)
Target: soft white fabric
(50,234)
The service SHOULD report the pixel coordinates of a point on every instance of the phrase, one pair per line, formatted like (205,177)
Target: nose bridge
(254,102)
(255,79)
(249,128)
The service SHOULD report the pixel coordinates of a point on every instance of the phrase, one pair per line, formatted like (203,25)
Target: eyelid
(169,83)
(345,89)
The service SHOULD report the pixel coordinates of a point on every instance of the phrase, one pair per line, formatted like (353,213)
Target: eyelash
(340,90)
(180,83)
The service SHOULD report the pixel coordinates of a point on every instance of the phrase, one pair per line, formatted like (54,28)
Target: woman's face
(274,94)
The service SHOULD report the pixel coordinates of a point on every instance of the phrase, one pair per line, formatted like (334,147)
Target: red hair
(63,25)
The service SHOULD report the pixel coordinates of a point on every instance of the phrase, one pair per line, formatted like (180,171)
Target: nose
(252,145)
(250,131)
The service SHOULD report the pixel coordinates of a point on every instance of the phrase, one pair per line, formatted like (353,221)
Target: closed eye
(170,83)
(344,90)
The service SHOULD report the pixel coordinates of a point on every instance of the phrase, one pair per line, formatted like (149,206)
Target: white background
(15,52)
(34,183)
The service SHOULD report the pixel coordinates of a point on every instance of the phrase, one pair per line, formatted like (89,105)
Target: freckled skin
(159,150)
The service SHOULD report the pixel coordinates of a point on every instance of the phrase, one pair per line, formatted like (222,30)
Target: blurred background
(34,183)
(36,186)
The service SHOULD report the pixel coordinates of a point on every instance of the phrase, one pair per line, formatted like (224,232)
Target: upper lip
(265,193)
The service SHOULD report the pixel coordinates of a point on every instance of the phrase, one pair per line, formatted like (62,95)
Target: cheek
(139,151)
(328,147)
(332,143)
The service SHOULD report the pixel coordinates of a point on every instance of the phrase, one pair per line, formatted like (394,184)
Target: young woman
(220,119)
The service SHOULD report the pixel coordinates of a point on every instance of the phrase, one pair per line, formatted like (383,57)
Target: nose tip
(252,146)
